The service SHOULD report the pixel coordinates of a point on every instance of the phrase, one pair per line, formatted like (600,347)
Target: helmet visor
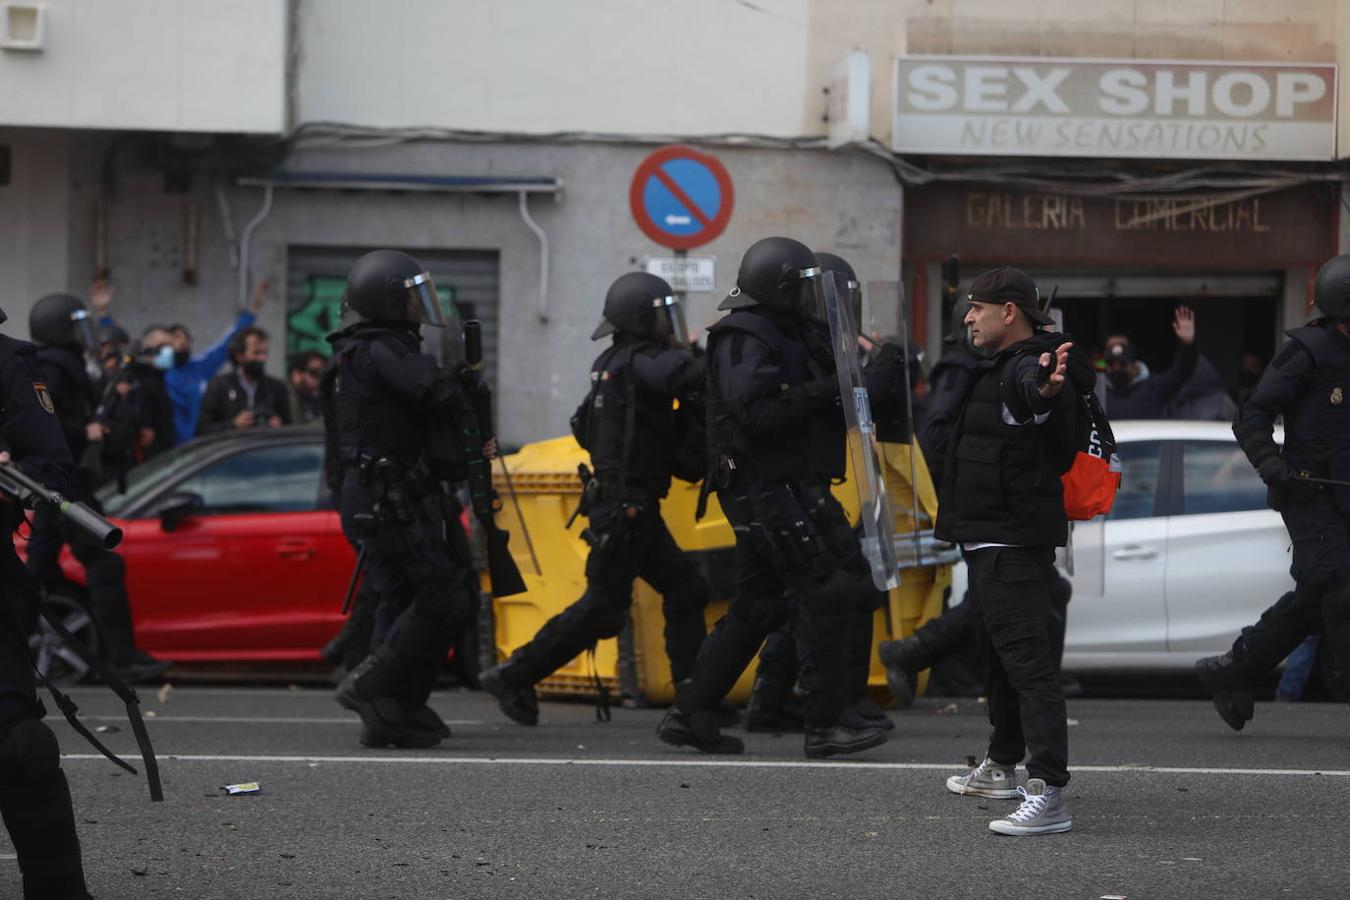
(83,329)
(806,289)
(423,304)
(669,323)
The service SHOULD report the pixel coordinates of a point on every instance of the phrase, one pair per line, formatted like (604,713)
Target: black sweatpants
(1012,588)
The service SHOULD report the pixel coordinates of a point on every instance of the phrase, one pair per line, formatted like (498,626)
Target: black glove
(1275,473)
(886,367)
(814,396)
(1278,477)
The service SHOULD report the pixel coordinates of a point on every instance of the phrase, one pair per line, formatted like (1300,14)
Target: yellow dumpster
(547,487)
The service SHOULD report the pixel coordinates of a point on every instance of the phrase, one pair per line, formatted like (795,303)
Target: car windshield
(145,478)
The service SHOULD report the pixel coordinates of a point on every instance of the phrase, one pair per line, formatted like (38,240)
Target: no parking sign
(681,197)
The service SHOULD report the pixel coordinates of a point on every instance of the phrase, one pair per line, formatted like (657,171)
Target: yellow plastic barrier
(548,489)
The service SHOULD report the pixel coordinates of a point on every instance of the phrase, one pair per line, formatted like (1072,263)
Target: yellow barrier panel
(548,489)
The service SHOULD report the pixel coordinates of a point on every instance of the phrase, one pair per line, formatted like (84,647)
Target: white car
(1189,555)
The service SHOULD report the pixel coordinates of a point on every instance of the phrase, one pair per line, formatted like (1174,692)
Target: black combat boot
(773,707)
(1235,705)
(900,659)
(519,704)
(850,734)
(872,714)
(697,730)
(370,691)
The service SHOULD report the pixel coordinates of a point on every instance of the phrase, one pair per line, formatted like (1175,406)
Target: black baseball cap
(1007,284)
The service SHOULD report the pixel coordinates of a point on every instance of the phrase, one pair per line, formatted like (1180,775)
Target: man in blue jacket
(186,381)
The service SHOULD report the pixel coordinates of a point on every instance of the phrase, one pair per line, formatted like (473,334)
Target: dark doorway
(1226,327)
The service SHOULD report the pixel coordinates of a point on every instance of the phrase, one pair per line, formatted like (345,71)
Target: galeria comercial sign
(1113,108)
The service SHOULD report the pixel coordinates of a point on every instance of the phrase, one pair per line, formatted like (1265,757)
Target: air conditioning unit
(23,26)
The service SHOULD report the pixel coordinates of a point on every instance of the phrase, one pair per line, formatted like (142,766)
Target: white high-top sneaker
(1043,811)
(988,779)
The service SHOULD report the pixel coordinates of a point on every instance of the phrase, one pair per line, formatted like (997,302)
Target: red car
(233,552)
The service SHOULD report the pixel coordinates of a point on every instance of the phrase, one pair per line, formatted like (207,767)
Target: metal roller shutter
(315,277)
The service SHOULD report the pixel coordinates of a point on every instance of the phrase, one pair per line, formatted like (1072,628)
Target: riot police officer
(34,795)
(61,327)
(1307,383)
(773,705)
(403,429)
(637,421)
(777,438)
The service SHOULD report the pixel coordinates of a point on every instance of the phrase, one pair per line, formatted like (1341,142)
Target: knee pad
(842,590)
(28,752)
(762,605)
(606,622)
(691,596)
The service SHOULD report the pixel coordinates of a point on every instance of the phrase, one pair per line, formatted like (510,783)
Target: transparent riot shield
(886,318)
(878,541)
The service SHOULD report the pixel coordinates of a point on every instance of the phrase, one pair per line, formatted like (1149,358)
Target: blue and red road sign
(681,197)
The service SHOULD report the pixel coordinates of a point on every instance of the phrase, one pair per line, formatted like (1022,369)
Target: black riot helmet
(833,264)
(390,286)
(960,333)
(642,305)
(1332,291)
(61,321)
(777,273)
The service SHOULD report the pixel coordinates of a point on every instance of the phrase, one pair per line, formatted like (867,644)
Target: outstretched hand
(1183,324)
(1056,364)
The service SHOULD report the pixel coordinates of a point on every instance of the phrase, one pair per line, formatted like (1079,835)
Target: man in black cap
(1132,391)
(1001,499)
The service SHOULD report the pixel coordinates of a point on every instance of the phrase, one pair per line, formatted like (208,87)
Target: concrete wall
(843,201)
(34,239)
(695,67)
(185,65)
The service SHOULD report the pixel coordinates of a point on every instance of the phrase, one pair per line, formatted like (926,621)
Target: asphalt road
(1167,802)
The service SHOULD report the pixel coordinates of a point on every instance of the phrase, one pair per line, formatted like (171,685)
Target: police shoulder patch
(44,396)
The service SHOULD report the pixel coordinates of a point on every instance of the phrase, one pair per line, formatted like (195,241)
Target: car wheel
(56,660)
(1329,674)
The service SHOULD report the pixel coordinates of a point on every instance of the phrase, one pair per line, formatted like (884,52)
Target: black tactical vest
(372,419)
(71,390)
(808,451)
(631,429)
(1001,483)
(1317,424)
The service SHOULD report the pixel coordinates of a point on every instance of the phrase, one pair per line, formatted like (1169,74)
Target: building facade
(190,149)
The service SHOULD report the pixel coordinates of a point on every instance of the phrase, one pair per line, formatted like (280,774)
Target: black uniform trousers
(630,540)
(1012,592)
(418,569)
(106,577)
(34,796)
(798,559)
(1320,534)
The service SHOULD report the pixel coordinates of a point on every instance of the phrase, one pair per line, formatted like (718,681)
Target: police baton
(1313,479)
(473,355)
(356,577)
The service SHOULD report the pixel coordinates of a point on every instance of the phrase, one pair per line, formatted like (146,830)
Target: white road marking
(247,720)
(699,764)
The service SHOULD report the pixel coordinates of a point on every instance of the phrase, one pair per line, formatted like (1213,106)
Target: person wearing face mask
(153,408)
(186,376)
(246,397)
(61,327)
(1132,391)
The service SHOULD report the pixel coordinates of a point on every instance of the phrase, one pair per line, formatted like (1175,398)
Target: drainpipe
(539,233)
(246,244)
